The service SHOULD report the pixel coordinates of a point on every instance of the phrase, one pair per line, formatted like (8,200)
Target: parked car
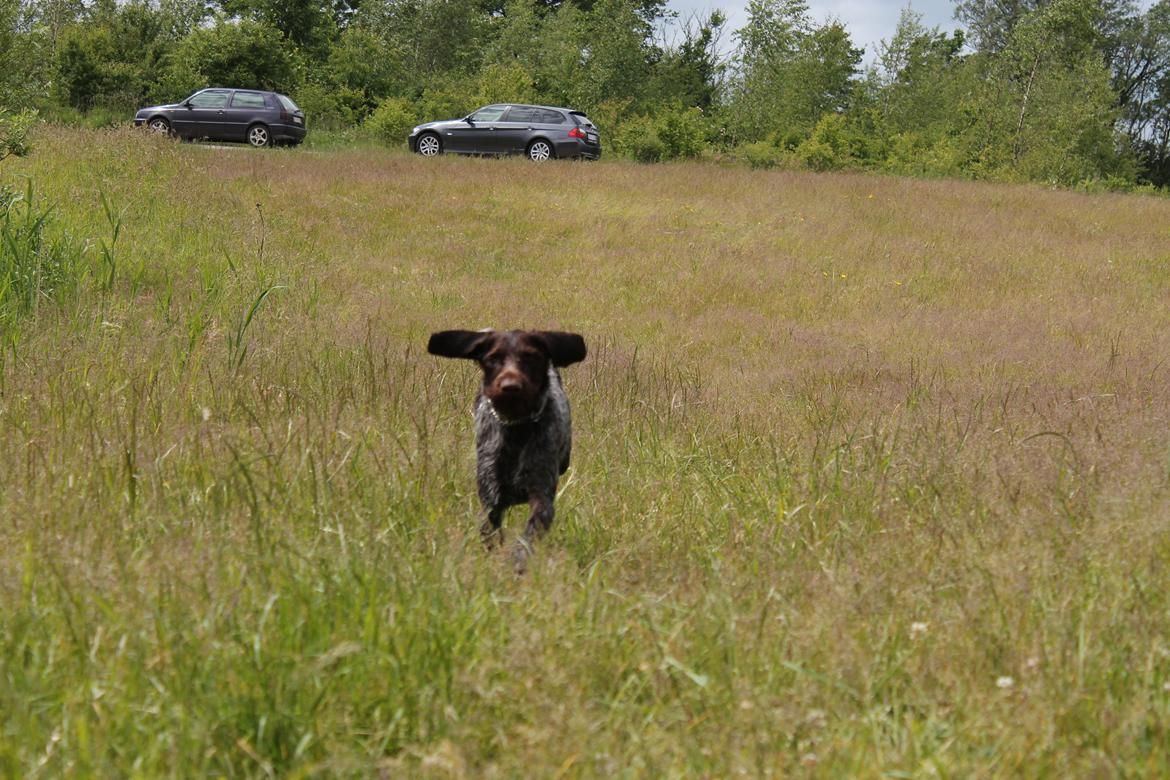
(539,132)
(246,115)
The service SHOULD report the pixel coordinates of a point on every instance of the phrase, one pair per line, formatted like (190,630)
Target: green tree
(1048,110)
(793,72)
(243,53)
(615,54)
(310,24)
(692,72)
(1139,54)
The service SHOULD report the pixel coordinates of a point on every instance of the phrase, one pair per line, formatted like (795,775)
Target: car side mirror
(469,120)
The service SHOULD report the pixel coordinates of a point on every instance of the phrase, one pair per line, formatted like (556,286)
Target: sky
(868,21)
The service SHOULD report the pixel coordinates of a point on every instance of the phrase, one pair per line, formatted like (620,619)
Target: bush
(448,100)
(14,130)
(392,121)
(638,138)
(830,145)
(237,54)
(329,107)
(683,133)
(760,155)
(510,83)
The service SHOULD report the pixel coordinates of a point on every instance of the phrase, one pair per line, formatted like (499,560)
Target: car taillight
(285,116)
(577,132)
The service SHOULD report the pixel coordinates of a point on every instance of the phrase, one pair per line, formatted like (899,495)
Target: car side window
(489,114)
(523,114)
(210,99)
(551,117)
(247,100)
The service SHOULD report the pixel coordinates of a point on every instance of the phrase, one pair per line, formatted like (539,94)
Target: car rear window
(582,119)
(247,100)
(523,114)
(287,103)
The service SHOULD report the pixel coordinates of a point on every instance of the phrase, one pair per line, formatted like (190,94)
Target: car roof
(534,105)
(239,89)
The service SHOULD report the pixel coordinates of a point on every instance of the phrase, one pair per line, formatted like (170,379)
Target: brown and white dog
(523,431)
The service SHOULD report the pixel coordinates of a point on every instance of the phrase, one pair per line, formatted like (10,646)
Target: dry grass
(850,453)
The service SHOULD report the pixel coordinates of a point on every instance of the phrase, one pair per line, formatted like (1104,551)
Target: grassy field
(871,477)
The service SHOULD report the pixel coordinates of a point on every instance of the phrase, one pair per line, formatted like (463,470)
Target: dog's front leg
(538,524)
(491,531)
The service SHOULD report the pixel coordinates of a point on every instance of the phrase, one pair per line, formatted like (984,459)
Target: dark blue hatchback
(243,115)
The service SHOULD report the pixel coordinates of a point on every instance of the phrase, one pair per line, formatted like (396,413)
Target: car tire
(540,150)
(160,125)
(259,136)
(429,145)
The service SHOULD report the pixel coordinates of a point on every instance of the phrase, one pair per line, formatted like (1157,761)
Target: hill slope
(870,474)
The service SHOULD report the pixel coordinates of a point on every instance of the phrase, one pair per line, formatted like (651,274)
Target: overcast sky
(868,21)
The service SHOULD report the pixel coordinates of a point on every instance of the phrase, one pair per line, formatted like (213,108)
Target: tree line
(1064,91)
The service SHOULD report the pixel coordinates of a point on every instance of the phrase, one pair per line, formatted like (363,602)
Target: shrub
(760,155)
(510,83)
(392,121)
(329,107)
(238,54)
(638,138)
(447,100)
(14,129)
(683,133)
(830,145)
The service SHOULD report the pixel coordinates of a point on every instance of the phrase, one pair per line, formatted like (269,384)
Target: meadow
(870,477)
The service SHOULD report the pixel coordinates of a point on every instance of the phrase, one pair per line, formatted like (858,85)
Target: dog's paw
(521,552)
(491,536)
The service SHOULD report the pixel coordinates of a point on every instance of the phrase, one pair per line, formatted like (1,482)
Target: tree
(243,53)
(1047,109)
(990,23)
(310,24)
(918,70)
(1139,53)
(616,54)
(792,71)
(691,73)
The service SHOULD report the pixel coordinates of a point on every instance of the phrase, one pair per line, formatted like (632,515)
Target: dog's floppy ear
(563,349)
(459,343)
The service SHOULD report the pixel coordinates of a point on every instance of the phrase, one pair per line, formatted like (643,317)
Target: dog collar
(507,422)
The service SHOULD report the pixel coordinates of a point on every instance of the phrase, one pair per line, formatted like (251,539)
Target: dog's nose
(509,384)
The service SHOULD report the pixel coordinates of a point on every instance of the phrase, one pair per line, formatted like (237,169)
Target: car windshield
(287,103)
(488,114)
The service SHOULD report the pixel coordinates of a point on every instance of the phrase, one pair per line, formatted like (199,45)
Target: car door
(476,134)
(244,108)
(515,128)
(202,114)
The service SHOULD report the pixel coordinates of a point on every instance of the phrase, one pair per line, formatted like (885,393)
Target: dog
(523,430)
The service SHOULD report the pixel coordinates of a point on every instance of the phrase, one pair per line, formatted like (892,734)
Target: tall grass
(870,475)
(40,261)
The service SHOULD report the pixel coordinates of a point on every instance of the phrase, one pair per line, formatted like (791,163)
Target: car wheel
(540,150)
(429,145)
(159,125)
(258,136)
